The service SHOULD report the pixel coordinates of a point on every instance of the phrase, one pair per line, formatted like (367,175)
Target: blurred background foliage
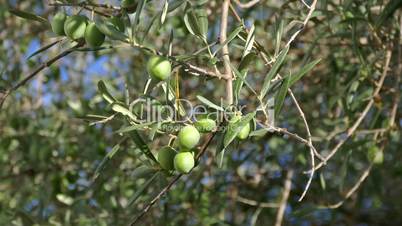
(49,154)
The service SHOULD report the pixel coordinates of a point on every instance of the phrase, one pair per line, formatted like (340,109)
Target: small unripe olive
(75,26)
(205,125)
(375,155)
(189,137)
(93,36)
(57,23)
(159,68)
(243,134)
(166,158)
(184,162)
(128,5)
(117,22)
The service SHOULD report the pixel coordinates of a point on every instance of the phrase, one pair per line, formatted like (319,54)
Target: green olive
(75,26)
(159,68)
(205,125)
(243,134)
(184,162)
(117,22)
(166,158)
(93,36)
(189,137)
(57,23)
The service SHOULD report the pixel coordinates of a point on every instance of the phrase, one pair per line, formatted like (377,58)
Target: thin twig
(246,5)
(255,203)
(285,196)
(362,178)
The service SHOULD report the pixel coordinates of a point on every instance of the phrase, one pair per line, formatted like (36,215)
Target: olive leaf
(105,92)
(209,103)
(117,107)
(108,156)
(28,16)
(280,97)
(136,137)
(134,127)
(274,70)
(111,31)
(304,70)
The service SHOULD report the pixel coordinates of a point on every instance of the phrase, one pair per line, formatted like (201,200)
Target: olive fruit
(93,36)
(189,137)
(375,155)
(184,162)
(74,27)
(166,158)
(243,134)
(57,23)
(117,22)
(205,125)
(159,68)
(128,5)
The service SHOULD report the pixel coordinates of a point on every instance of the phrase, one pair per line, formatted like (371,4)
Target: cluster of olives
(182,161)
(188,137)
(78,27)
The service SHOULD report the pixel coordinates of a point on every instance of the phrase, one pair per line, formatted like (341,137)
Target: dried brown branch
(364,113)
(246,5)
(285,196)
(362,178)
(255,203)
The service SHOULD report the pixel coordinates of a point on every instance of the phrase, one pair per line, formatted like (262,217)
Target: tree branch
(357,123)
(225,52)
(285,195)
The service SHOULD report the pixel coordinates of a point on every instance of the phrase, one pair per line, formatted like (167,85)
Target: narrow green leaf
(105,93)
(111,31)
(322,181)
(274,70)
(258,133)
(117,107)
(209,103)
(278,37)
(249,41)
(142,146)
(175,4)
(242,73)
(28,16)
(164,11)
(280,97)
(231,36)
(134,127)
(102,164)
(305,69)
(134,25)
